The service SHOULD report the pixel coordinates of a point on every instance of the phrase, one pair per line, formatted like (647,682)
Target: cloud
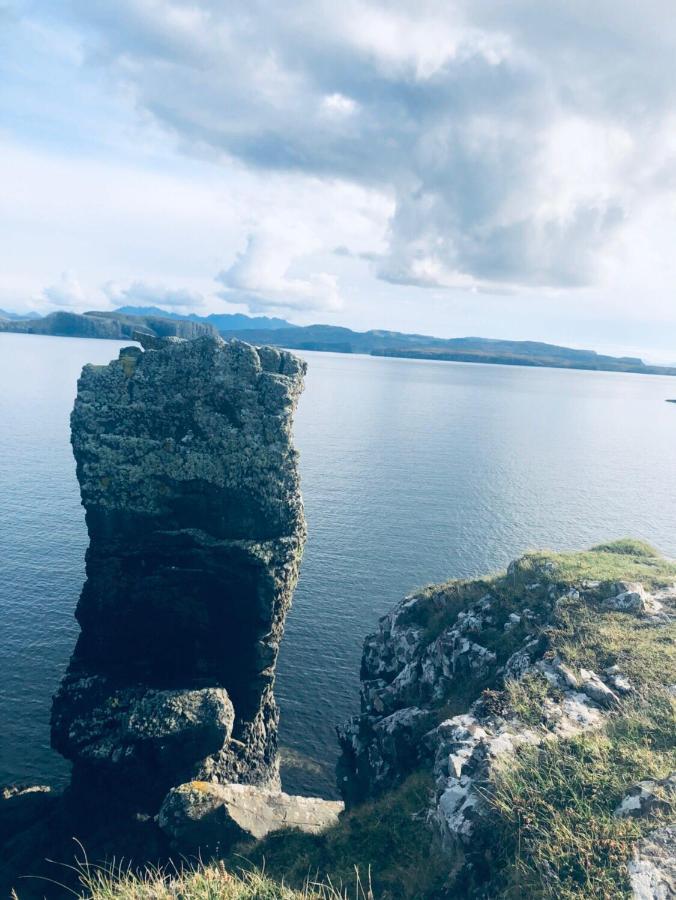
(139,293)
(515,142)
(259,276)
(67,293)
(515,139)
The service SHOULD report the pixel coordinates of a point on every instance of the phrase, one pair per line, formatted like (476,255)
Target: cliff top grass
(552,833)
(536,588)
(623,560)
(203,882)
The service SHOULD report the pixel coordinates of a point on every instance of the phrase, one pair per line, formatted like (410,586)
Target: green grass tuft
(204,882)
(554,830)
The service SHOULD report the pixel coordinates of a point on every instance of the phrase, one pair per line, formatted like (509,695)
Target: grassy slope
(552,833)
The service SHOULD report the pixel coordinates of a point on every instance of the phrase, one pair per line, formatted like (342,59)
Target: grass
(387,837)
(623,560)
(526,697)
(211,882)
(552,833)
(554,829)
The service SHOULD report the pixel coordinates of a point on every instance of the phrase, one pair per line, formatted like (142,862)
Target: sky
(453,168)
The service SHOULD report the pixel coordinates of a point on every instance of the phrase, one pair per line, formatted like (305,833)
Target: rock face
(463,679)
(204,817)
(191,490)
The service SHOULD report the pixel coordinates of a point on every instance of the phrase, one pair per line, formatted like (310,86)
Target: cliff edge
(542,702)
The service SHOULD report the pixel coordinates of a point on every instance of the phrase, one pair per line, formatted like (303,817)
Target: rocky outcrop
(467,678)
(111,326)
(190,485)
(204,817)
(649,798)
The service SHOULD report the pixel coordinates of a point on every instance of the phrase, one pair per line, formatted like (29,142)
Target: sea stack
(190,484)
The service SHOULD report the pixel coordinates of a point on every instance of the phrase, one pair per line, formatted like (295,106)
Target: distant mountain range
(466,349)
(220,321)
(14,317)
(263,330)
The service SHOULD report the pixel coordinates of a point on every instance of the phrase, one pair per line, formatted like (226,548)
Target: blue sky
(468,167)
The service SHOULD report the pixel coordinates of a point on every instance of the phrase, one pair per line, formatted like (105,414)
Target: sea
(412,472)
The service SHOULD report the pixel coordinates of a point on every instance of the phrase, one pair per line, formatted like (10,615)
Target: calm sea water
(412,472)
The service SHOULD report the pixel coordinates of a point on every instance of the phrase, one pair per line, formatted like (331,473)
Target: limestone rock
(648,798)
(594,688)
(652,870)
(210,818)
(191,492)
(378,753)
(630,597)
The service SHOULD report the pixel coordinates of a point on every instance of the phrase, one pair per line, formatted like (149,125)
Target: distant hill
(467,349)
(121,324)
(106,325)
(14,317)
(220,321)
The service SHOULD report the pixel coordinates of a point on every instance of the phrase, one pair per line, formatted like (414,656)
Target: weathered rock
(594,688)
(21,807)
(190,486)
(403,672)
(378,753)
(652,870)
(649,798)
(210,818)
(123,733)
(630,597)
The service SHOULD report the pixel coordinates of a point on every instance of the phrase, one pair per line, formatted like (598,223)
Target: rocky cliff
(537,700)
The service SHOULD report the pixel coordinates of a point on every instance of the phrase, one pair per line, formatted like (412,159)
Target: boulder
(652,869)
(649,798)
(122,732)
(210,818)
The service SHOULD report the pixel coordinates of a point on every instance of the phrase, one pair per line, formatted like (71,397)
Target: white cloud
(66,293)
(453,151)
(260,275)
(512,139)
(139,293)
(338,105)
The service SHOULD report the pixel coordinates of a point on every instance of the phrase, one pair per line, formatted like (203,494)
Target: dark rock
(190,485)
(20,807)
(378,753)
